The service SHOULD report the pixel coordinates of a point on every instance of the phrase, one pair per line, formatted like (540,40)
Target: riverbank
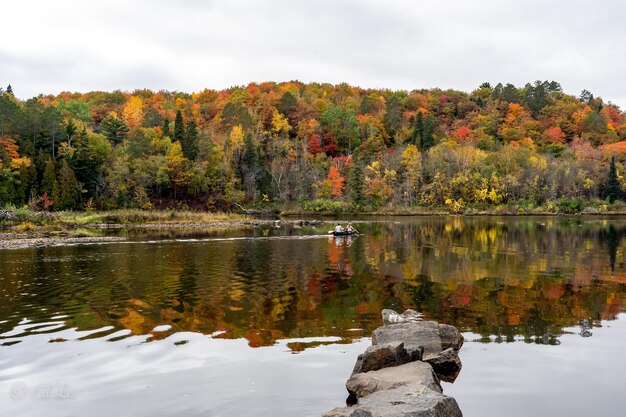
(32,240)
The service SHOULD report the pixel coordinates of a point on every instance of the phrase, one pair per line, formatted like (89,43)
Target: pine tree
(418,130)
(179,128)
(166,128)
(114,129)
(612,190)
(68,188)
(49,178)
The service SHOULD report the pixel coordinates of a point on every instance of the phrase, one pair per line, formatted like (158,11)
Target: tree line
(320,146)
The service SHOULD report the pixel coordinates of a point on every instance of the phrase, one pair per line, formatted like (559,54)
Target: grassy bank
(458,207)
(25,220)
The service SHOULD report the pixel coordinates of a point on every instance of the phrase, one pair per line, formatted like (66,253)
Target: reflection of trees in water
(502,278)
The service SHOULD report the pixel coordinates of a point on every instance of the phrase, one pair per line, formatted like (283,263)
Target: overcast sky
(83,45)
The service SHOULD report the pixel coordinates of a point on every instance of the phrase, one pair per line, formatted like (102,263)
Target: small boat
(345,233)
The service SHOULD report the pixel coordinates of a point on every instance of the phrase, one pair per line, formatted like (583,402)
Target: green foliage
(612,190)
(570,206)
(179,127)
(326,206)
(114,128)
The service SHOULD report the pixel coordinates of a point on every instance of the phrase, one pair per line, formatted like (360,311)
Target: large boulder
(412,374)
(446,364)
(406,401)
(412,334)
(383,356)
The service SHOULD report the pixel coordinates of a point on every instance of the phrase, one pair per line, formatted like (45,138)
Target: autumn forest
(314,147)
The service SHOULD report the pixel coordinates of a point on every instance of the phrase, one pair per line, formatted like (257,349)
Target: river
(268,321)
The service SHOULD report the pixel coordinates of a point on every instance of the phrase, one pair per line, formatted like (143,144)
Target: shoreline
(58,231)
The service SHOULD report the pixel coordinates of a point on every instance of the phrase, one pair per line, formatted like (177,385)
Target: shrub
(570,206)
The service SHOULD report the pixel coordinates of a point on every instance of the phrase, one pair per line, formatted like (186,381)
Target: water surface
(269,321)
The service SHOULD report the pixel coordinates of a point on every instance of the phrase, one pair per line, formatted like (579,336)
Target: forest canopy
(311,145)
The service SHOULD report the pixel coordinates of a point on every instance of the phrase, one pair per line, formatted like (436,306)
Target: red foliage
(331,144)
(313,145)
(463,132)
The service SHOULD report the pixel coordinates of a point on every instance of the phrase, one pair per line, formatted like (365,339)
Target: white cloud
(47,47)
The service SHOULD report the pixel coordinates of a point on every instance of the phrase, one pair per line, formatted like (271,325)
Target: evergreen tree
(418,129)
(355,181)
(287,104)
(114,129)
(190,142)
(69,189)
(179,128)
(49,178)
(612,191)
(393,116)
(166,128)
(427,139)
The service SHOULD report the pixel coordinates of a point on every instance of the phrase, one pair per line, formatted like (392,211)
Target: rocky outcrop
(398,376)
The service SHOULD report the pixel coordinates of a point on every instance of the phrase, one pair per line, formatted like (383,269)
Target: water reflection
(504,279)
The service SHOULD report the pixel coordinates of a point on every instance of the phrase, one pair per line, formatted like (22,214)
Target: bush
(570,206)
(25,227)
(324,206)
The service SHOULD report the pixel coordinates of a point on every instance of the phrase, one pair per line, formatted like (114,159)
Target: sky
(188,45)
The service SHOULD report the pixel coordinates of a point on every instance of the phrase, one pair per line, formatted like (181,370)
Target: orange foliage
(515,114)
(614,149)
(9,146)
(555,135)
(337,181)
(613,116)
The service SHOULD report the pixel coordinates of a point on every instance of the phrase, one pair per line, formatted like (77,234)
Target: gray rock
(415,334)
(382,356)
(446,364)
(7,215)
(450,337)
(414,374)
(402,402)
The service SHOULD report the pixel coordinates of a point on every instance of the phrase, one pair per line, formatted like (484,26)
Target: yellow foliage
(236,137)
(280,123)
(133,112)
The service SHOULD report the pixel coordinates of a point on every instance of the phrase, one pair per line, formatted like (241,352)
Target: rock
(446,364)
(450,337)
(406,401)
(392,317)
(414,335)
(382,356)
(411,374)
(7,215)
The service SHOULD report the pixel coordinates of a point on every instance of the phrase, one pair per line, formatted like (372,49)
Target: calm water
(269,321)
